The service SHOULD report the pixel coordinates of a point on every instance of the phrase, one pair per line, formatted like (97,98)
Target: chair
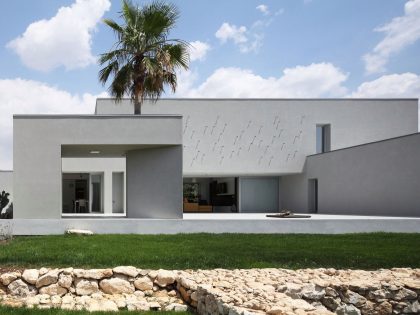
(82,204)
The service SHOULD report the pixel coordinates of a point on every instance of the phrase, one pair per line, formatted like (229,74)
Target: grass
(184,251)
(26,311)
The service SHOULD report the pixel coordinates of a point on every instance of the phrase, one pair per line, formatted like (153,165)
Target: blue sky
(242,48)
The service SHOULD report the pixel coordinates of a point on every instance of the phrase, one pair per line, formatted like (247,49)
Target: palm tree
(143,60)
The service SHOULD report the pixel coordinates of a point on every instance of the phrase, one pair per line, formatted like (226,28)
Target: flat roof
(271,99)
(93,116)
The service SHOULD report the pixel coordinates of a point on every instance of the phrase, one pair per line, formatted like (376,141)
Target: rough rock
(126,270)
(49,278)
(346,309)
(65,280)
(96,274)
(354,298)
(412,308)
(9,277)
(165,277)
(116,286)
(30,275)
(86,287)
(143,284)
(53,289)
(313,292)
(19,288)
(102,305)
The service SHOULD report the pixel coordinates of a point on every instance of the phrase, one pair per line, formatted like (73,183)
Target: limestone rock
(176,307)
(65,280)
(102,305)
(9,277)
(86,287)
(165,277)
(96,274)
(53,289)
(330,302)
(412,308)
(20,289)
(116,286)
(354,298)
(126,270)
(49,278)
(143,283)
(412,283)
(30,275)
(385,308)
(405,294)
(347,309)
(313,292)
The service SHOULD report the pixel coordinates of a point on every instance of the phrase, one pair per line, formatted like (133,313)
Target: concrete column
(107,192)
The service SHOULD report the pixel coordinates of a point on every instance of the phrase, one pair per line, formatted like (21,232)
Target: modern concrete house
(326,156)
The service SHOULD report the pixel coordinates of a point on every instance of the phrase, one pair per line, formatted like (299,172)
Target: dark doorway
(313,195)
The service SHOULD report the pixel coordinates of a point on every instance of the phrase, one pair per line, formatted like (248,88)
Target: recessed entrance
(313,195)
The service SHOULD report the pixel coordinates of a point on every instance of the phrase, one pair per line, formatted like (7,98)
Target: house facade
(332,156)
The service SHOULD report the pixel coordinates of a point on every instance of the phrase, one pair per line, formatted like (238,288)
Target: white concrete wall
(38,142)
(381,178)
(98,165)
(256,137)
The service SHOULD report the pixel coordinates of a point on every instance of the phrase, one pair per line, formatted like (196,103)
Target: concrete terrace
(218,223)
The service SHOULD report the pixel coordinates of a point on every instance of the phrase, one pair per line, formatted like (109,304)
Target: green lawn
(26,311)
(182,251)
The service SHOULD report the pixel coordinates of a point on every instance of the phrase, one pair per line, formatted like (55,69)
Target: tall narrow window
(323,138)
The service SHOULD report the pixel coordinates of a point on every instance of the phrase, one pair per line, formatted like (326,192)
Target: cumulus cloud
(19,96)
(248,40)
(393,85)
(231,32)
(314,80)
(198,50)
(401,32)
(64,40)
(263,9)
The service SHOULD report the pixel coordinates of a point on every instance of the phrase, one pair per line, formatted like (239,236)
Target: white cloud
(18,96)
(231,32)
(401,32)
(64,40)
(198,50)
(263,9)
(392,85)
(315,80)
(247,40)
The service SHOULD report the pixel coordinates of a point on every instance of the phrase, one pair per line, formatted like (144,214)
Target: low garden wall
(218,291)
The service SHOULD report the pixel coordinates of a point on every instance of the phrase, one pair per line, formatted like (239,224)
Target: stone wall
(218,291)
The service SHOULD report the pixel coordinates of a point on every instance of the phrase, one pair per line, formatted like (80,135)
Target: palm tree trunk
(137,107)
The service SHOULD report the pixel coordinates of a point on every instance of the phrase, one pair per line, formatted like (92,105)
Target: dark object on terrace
(8,213)
(287,214)
(4,200)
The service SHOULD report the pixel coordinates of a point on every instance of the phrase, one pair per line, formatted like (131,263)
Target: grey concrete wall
(37,151)
(259,195)
(6,183)
(271,137)
(381,178)
(154,183)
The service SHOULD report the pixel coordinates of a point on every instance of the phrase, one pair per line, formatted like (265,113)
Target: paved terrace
(217,223)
